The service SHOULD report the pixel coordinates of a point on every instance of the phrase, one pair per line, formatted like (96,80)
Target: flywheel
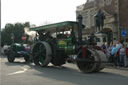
(41,53)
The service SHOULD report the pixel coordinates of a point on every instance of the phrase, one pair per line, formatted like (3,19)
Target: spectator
(126,63)
(122,56)
(113,54)
(108,52)
(118,46)
(103,46)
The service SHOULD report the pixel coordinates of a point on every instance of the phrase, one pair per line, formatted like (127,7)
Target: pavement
(21,73)
(111,66)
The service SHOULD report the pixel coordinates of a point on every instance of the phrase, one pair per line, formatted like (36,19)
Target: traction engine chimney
(79,28)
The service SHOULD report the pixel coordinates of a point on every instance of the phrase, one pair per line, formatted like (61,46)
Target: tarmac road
(20,73)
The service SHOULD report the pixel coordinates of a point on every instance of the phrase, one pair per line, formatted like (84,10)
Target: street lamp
(0,27)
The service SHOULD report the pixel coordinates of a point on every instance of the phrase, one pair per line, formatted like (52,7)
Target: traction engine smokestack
(79,28)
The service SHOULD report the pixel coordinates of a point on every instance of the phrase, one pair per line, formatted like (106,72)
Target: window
(104,39)
(85,18)
(90,0)
(114,38)
(108,2)
(97,39)
(101,3)
(92,21)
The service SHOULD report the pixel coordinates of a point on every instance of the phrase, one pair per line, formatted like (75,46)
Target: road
(20,73)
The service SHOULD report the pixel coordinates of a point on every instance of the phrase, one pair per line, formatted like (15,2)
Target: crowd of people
(117,53)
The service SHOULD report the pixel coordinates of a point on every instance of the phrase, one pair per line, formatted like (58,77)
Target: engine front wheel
(41,53)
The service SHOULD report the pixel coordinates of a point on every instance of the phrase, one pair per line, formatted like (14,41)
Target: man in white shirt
(118,45)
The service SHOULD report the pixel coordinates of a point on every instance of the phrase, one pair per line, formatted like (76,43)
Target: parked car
(17,50)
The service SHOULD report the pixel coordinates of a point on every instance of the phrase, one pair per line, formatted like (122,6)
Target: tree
(16,29)
(6,33)
(27,24)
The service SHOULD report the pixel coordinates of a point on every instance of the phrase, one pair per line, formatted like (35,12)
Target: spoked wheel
(41,53)
(86,65)
(27,58)
(11,56)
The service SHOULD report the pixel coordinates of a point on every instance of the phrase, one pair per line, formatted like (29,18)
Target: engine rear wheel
(11,56)
(41,53)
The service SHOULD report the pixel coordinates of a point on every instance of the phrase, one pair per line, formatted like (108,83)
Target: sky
(38,12)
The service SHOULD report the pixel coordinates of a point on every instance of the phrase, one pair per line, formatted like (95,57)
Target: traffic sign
(23,37)
(123,33)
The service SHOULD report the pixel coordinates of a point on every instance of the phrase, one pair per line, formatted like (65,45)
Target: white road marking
(18,72)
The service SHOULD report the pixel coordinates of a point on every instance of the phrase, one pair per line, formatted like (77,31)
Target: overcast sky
(39,12)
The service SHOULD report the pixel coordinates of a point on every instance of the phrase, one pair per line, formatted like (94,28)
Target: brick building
(88,11)
(111,11)
(116,12)
(119,9)
(123,14)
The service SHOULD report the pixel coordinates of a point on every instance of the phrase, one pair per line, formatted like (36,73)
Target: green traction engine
(60,42)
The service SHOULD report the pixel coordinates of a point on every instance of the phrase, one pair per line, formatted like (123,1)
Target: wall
(110,6)
(124,15)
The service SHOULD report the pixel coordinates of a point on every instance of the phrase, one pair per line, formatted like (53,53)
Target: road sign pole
(0,27)
(123,33)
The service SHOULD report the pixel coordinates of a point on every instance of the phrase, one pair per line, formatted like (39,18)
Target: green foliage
(16,29)
(26,24)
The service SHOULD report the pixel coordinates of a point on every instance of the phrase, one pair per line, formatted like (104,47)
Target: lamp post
(80,28)
(0,27)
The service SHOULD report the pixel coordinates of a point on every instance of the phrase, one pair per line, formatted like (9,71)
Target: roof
(59,25)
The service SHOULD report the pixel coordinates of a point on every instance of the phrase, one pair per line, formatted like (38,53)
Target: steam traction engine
(54,45)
